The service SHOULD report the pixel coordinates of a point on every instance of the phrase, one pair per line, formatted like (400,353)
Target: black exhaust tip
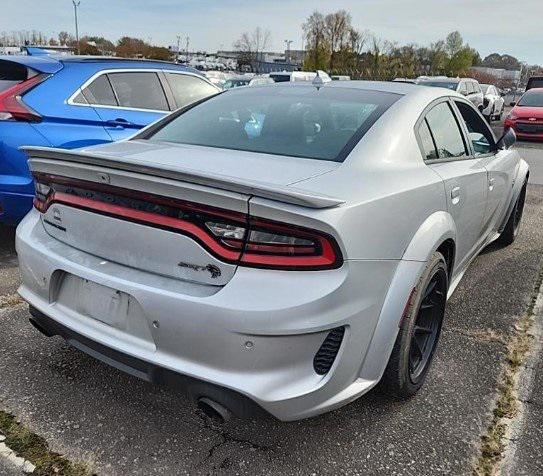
(214,410)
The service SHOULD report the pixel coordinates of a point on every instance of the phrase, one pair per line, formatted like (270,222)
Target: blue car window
(139,90)
(188,89)
(99,92)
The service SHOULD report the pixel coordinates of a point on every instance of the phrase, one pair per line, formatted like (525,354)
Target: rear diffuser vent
(324,358)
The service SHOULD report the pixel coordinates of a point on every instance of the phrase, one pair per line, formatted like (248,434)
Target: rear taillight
(231,236)
(12,107)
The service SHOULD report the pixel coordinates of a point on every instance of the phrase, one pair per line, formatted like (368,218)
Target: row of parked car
(485,97)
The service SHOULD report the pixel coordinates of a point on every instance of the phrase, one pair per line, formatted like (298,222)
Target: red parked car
(526,117)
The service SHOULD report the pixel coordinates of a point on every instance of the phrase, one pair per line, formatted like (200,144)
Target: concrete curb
(526,380)
(17,462)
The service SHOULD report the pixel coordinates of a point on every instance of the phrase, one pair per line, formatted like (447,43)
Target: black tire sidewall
(397,375)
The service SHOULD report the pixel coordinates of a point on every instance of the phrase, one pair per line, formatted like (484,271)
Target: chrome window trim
(71,100)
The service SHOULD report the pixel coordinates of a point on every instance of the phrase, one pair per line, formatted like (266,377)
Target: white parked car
(297,76)
(282,248)
(493,102)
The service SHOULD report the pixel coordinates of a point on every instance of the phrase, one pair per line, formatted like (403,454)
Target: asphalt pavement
(121,425)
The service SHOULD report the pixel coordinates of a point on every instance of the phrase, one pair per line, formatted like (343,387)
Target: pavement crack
(224,439)
(487,335)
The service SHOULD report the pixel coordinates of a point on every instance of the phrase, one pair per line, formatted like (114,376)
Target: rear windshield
(535,83)
(440,84)
(12,73)
(280,78)
(532,98)
(305,122)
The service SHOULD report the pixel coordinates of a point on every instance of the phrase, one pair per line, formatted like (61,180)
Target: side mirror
(507,139)
(512,103)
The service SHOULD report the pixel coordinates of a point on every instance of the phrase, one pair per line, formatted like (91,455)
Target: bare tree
(252,46)
(337,26)
(317,44)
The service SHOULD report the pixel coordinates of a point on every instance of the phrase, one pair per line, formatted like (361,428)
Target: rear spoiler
(285,194)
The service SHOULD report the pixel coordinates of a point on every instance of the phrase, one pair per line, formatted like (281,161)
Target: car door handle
(119,123)
(491,182)
(455,195)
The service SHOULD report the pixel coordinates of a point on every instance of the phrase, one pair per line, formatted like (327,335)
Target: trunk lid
(110,193)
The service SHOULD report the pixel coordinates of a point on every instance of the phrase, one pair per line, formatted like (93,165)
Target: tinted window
(100,92)
(480,135)
(139,90)
(446,132)
(280,78)
(532,98)
(187,89)
(80,99)
(12,73)
(535,83)
(302,122)
(427,142)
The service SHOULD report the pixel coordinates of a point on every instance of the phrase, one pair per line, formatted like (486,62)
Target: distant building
(498,73)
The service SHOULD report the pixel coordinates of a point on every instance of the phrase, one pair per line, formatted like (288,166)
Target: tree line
(336,46)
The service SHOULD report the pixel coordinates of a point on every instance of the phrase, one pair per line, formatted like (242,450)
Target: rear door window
(188,89)
(446,132)
(139,90)
(100,92)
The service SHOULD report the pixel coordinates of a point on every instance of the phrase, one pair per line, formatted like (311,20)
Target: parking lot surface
(120,425)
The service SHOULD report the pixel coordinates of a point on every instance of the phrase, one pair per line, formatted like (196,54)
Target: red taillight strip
(146,218)
(11,102)
(324,255)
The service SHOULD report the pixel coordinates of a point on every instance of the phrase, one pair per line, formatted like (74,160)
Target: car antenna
(321,79)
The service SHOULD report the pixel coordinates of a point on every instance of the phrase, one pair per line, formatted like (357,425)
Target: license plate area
(95,301)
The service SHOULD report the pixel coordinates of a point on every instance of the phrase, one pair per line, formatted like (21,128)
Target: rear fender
(521,177)
(436,229)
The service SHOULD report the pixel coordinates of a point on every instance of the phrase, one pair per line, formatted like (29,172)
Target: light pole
(76,4)
(288,43)
(178,46)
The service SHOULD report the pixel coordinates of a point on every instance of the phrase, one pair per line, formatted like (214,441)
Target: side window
(480,134)
(446,132)
(476,87)
(80,99)
(462,88)
(427,141)
(139,90)
(99,92)
(469,86)
(188,89)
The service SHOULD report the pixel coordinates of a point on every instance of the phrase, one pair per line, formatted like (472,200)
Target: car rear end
(201,265)
(18,76)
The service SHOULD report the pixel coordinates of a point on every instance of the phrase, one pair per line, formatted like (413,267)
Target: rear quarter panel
(64,125)
(389,191)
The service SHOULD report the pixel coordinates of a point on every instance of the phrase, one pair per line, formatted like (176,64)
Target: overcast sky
(490,26)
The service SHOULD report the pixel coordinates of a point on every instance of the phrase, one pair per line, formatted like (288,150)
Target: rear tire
(510,232)
(419,332)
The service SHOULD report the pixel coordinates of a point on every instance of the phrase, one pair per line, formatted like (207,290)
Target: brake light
(232,237)
(12,107)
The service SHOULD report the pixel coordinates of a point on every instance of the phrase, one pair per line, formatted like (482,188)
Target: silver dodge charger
(281,248)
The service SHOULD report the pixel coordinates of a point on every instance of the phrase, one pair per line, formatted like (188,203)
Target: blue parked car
(77,101)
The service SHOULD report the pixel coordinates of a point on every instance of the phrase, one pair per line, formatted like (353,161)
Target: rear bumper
(255,337)
(240,405)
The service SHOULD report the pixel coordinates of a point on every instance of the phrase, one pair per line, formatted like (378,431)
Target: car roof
(51,63)
(394,87)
